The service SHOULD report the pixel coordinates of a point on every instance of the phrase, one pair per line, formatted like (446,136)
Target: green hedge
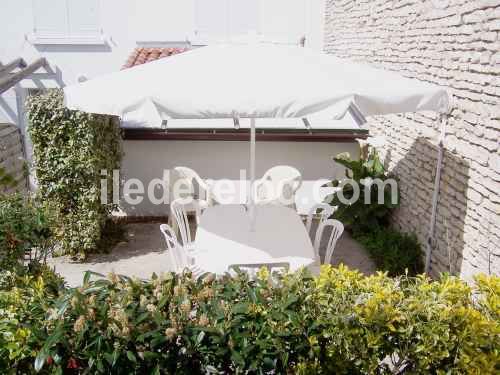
(339,323)
(70,150)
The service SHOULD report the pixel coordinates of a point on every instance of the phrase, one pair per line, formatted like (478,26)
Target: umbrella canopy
(251,81)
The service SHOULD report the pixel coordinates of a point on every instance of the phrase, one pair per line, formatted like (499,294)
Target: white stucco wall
(128,23)
(146,160)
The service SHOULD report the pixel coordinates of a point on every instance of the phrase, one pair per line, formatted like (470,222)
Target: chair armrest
(203,184)
(262,201)
(257,190)
(208,192)
(206,187)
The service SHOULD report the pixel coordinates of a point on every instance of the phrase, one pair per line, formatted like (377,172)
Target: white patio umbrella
(252,81)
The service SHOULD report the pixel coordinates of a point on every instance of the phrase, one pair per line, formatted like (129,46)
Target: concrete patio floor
(144,253)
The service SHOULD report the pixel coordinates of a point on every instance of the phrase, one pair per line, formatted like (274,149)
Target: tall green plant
(70,150)
(363,214)
(25,227)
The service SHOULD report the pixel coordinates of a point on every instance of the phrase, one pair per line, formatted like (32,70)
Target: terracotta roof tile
(142,55)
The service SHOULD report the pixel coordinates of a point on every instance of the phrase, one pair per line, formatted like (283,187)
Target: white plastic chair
(179,258)
(182,186)
(252,268)
(337,230)
(278,186)
(179,210)
(326,212)
(187,180)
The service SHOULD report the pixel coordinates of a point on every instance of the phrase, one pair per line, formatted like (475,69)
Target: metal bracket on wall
(356,114)
(164,125)
(307,124)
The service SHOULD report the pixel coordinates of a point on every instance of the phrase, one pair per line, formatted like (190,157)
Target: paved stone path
(144,254)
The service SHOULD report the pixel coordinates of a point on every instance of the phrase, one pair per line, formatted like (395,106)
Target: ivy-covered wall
(70,150)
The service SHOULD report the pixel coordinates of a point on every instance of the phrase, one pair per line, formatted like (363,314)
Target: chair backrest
(187,173)
(252,268)
(193,180)
(178,256)
(180,186)
(284,182)
(325,213)
(337,230)
(179,210)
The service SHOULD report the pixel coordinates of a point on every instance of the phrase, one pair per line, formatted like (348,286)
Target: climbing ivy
(70,150)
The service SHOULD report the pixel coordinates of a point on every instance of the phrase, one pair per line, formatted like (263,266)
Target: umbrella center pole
(252,210)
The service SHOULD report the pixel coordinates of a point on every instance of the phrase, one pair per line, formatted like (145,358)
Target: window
(223,19)
(67,22)
(281,21)
(284,20)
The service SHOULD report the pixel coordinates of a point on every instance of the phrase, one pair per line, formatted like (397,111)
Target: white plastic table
(236,192)
(223,238)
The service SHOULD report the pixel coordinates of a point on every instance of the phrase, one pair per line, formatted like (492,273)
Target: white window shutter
(283,20)
(211,19)
(84,17)
(243,17)
(51,20)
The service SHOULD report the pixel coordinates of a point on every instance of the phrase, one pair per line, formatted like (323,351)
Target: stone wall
(454,43)
(12,156)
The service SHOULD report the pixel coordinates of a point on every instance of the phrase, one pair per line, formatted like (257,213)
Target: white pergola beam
(17,63)
(10,81)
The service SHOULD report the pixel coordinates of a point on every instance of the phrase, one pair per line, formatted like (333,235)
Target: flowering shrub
(340,322)
(24,227)
(24,300)
(70,150)
(413,325)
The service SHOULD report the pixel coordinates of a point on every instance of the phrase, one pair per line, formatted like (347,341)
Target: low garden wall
(146,160)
